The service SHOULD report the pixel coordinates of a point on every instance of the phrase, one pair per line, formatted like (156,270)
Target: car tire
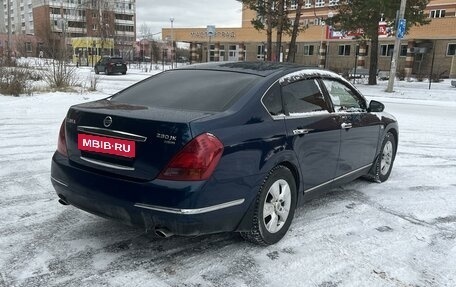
(274,208)
(382,167)
(124,73)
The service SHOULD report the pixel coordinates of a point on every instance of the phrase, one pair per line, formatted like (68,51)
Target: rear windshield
(117,60)
(212,91)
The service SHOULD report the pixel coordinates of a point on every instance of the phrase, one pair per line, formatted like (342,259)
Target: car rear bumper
(117,69)
(183,209)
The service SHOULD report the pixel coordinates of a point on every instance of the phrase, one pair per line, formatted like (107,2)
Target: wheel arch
(395,133)
(246,222)
(294,172)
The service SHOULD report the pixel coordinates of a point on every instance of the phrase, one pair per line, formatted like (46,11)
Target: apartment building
(21,15)
(320,45)
(67,19)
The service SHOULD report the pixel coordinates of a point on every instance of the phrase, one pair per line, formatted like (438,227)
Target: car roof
(260,68)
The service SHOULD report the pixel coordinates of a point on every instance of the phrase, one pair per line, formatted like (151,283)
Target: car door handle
(346,125)
(301,131)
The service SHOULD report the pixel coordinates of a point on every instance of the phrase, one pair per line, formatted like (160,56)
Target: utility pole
(8,48)
(397,45)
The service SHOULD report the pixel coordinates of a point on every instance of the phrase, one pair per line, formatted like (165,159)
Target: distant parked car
(221,147)
(111,65)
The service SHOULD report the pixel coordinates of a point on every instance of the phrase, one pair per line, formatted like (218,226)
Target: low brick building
(318,45)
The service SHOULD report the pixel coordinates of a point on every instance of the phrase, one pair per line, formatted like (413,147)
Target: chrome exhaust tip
(163,232)
(62,200)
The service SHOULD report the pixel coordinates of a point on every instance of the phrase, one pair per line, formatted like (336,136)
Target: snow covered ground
(399,233)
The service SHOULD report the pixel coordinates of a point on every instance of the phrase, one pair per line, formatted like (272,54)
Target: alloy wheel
(277,206)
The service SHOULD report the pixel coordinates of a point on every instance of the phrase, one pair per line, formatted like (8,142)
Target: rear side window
(199,90)
(273,101)
(303,97)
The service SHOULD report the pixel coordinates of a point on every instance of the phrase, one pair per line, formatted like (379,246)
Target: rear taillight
(196,161)
(61,144)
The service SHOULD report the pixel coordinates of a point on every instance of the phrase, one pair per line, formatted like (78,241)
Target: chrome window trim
(111,133)
(184,211)
(282,117)
(105,164)
(337,178)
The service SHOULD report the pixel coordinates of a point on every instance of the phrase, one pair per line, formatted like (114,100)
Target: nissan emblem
(107,121)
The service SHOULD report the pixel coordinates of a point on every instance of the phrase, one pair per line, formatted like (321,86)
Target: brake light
(61,143)
(196,161)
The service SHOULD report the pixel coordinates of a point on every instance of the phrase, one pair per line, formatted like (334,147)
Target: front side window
(343,97)
(303,97)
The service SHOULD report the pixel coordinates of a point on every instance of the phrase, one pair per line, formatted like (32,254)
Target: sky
(156,14)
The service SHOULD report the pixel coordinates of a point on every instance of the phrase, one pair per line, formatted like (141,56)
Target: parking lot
(399,233)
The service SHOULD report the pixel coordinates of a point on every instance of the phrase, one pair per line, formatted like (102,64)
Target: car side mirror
(375,107)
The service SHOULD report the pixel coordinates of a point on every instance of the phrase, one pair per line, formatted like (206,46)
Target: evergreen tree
(273,14)
(353,15)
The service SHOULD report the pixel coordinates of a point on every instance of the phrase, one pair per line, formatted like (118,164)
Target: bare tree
(295,31)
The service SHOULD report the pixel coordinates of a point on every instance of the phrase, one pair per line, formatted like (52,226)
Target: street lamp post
(330,15)
(8,46)
(172,42)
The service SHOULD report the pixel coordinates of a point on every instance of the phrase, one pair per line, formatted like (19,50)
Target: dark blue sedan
(220,147)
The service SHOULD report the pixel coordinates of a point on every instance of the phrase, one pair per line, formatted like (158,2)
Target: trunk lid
(130,141)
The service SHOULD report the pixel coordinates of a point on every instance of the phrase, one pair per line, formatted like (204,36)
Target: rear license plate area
(107,145)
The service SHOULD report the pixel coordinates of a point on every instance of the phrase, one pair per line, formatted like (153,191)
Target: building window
(308,4)
(437,14)
(260,52)
(319,3)
(451,51)
(319,22)
(344,50)
(386,50)
(308,50)
(222,53)
(404,49)
(367,50)
(293,4)
(333,2)
(28,47)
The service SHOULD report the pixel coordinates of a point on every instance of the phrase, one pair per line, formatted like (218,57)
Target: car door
(312,131)
(99,65)
(359,129)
